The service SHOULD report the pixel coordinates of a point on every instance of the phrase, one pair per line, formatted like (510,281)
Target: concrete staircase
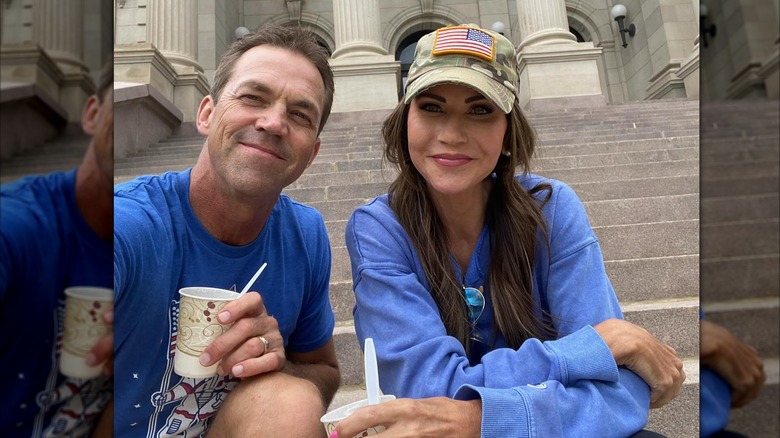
(63,152)
(740,259)
(636,168)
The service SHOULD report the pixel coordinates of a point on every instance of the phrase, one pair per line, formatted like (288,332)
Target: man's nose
(273,119)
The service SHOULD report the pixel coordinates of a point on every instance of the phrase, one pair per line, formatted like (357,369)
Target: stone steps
(740,227)
(583,155)
(754,275)
(175,154)
(605,147)
(602,213)
(589,191)
(600,174)
(64,152)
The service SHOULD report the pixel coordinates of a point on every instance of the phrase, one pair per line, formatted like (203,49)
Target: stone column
(58,27)
(543,22)
(689,69)
(554,69)
(696,13)
(173,30)
(158,81)
(365,75)
(357,28)
(770,68)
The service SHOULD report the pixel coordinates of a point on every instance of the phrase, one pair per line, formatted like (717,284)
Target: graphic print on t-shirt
(80,401)
(184,406)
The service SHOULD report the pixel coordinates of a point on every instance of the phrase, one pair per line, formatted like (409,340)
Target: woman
(485,293)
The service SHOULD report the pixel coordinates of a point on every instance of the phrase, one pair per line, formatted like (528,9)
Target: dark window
(405,54)
(579,37)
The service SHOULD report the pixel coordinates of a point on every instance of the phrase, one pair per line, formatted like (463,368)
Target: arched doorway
(405,54)
(580,38)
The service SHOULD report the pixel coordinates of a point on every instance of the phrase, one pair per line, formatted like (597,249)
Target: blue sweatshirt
(569,386)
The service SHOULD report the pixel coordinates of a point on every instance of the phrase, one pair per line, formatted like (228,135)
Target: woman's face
(455,138)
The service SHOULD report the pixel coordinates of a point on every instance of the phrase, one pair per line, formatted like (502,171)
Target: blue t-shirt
(45,247)
(160,247)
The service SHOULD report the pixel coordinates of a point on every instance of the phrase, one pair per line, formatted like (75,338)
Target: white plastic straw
(372,373)
(252,281)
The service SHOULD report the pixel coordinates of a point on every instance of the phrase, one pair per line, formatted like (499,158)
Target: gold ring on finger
(266,344)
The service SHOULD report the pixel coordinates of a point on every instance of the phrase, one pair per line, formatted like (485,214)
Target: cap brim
(500,95)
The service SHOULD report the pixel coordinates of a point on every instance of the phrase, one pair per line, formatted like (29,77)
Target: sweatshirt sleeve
(550,409)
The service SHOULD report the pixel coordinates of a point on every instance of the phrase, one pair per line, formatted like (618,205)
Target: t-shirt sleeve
(316,320)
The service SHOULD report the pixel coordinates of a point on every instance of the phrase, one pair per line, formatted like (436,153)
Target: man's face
(262,133)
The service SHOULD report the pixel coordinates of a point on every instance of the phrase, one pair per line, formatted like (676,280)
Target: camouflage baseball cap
(466,55)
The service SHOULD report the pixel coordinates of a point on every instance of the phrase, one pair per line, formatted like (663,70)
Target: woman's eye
(430,107)
(481,110)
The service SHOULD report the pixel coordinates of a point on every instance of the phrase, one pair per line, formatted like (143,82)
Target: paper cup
(332,418)
(198,327)
(84,326)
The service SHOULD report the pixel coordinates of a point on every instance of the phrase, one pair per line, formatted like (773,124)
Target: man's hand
(735,361)
(241,349)
(103,350)
(638,350)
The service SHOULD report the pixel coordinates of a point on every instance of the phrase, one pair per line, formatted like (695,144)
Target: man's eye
(301,116)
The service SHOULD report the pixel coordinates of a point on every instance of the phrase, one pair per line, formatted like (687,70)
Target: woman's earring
(506,153)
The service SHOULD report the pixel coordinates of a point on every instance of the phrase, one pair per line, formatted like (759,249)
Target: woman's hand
(638,350)
(429,417)
(736,362)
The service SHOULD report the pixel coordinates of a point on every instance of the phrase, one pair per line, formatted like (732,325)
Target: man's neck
(94,196)
(229,217)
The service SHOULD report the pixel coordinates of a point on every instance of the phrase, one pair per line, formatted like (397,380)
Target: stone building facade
(570,51)
(51,53)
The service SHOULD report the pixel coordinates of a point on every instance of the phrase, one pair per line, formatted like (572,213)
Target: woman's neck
(463,216)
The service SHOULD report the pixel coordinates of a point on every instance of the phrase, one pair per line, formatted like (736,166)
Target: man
(55,232)
(214,225)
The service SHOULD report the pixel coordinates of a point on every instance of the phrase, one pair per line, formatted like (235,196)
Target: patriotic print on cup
(465,41)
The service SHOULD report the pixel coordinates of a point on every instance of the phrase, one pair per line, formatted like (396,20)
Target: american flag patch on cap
(465,41)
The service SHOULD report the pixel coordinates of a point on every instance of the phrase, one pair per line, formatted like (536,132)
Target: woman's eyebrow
(432,96)
(473,98)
